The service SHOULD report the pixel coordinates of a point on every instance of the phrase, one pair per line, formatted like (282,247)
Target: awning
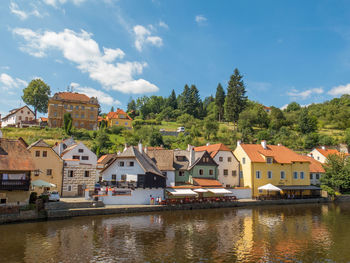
(42,183)
(299,187)
(181,192)
(200,190)
(219,191)
(269,187)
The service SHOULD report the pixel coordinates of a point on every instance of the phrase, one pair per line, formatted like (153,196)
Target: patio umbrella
(269,187)
(200,190)
(42,183)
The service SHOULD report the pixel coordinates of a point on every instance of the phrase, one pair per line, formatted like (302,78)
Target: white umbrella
(200,190)
(269,187)
(42,183)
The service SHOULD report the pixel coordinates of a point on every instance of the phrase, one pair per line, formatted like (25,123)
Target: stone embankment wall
(343,198)
(29,215)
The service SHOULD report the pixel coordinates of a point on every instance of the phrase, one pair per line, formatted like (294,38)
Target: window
(126,123)
(269,174)
(76,115)
(311,176)
(269,160)
(37,153)
(301,175)
(55,105)
(211,172)
(83,107)
(80,150)
(243,160)
(85,158)
(82,115)
(54,122)
(123,177)
(180,158)
(229,159)
(200,171)
(225,172)
(86,173)
(49,172)
(317,176)
(70,173)
(65,106)
(55,113)
(21,111)
(71,107)
(131,163)
(240,174)
(77,107)
(257,175)
(69,188)
(91,116)
(76,157)
(91,108)
(114,177)
(121,164)
(295,175)
(44,153)
(36,172)
(117,122)
(82,124)
(20,118)
(181,173)
(283,175)
(318,158)
(234,173)
(76,124)
(221,159)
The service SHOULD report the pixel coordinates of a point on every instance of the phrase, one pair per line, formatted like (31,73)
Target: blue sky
(286,50)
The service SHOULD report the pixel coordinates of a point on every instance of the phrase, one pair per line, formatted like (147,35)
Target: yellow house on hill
(119,118)
(262,164)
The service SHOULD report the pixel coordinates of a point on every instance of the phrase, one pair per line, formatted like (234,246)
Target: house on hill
(316,171)
(19,117)
(119,118)
(321,154)
(16,167)
(228,165)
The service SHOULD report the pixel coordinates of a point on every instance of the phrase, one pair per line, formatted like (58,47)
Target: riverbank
(77,211)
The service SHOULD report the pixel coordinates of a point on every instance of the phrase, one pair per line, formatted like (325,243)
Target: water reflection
(301,233)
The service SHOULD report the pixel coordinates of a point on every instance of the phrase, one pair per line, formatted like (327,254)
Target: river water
(292,233)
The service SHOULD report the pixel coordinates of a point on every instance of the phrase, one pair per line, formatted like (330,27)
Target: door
(80,190)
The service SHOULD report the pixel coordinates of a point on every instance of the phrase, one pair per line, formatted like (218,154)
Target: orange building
(119,118)
(84,110)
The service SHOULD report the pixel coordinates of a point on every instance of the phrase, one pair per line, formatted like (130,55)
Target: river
(291,233)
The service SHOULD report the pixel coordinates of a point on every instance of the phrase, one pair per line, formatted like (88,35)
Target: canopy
(219,191)
(200,190)
(181,192)
(269,187)
(42,183)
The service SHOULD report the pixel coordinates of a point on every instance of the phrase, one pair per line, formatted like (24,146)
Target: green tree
(293,106)
(277,118)
(236,100)
(185,100)
(67,120)
(112,109)
(156,139)
(195,104)
(307,123)
(220,101)
(211,127)
(172,100)
(131,106)
(37,95)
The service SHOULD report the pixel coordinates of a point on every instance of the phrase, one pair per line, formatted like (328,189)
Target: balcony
(14,185)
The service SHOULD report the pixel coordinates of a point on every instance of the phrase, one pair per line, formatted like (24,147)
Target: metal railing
(14,185)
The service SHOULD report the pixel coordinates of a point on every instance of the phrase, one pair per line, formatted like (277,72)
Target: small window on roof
(269,160)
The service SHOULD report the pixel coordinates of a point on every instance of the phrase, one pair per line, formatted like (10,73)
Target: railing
(14,185)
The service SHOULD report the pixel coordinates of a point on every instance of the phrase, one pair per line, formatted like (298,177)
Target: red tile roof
(326,152)
(280,154)
(115,115)
(207,182)
(213,149)
(43,119)
(72,96)
(315,166)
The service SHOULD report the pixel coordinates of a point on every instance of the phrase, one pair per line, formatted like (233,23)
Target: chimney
(140,147)
(279,144)
(208,143)
(189,147)
(146,150)
(60,148)
(192,155)
(239,142)
(263,144)
(323,147)
(125,147)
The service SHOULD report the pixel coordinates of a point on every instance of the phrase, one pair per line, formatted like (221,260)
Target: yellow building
(48,165)
(274,164)
(84,110)
(119,118)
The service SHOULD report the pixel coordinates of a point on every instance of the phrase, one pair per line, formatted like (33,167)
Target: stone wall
(78,179)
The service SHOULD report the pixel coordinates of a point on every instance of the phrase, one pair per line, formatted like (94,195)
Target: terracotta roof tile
(207,182)
(326,152)
(213,149)
(280,154)
(115,114)
(163,158)
(315,166)
(72,96)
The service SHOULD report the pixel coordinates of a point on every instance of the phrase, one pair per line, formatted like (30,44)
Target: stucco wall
(130,171)
(170,178)
(137,197)
(17,197)
(243,193)
(228,179)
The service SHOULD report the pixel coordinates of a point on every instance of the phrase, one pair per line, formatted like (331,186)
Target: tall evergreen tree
(172,102)
(220,101)
(185,100)
(131,106)
(236,100)
(195,102)
(112,109)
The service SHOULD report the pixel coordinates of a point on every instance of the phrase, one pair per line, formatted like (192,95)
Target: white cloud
(144,36)
(340,90)
(55,3)
(14,8)
(163,24)
(284,107)
(304,94)
(80,48)
(102,97)
(201,19)
(10,83)
(5,67)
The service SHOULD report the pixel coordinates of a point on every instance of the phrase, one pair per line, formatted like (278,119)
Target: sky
(116,50)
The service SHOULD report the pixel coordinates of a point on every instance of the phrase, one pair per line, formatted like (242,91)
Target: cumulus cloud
(304,94)
(81,49)
(56,3)
(102,97)
(340,90)
(163,24)
(201,19)
(144,36)
(14,8)
(9,83)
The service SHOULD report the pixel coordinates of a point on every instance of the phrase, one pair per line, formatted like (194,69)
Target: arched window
(200,171)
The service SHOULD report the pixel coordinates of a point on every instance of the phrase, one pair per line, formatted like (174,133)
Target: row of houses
(74,170)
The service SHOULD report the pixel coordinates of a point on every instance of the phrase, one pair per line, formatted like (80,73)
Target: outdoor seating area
(196,200)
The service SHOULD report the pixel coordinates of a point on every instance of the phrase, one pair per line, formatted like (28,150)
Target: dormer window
(269,160)
(180,158)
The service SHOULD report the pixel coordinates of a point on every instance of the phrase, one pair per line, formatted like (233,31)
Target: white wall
(86,152)
(14,119)
(170,178)
(130,171)
(138,196)
(318,156)
(230,166)
(244,193)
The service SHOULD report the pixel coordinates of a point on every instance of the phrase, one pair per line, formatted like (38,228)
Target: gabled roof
(14,111)
(14,156)
(163,158)
(207,182)
(39,143)
(185,165)
(72,96)
(315,166)
(104,159)
(280,154)
(43,119)
(115,114)
(326,152)
(68,149)
(213,149)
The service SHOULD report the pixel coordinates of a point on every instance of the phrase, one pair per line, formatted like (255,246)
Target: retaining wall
(137,197)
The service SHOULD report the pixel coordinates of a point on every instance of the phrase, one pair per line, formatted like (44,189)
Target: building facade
(119,118)
(84,110)
(321,154)
(18,117)
(316,171)
(48,165)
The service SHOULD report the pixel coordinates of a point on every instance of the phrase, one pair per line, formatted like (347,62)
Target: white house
(228,169)
(79,172)
(18,117)
(321,154)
